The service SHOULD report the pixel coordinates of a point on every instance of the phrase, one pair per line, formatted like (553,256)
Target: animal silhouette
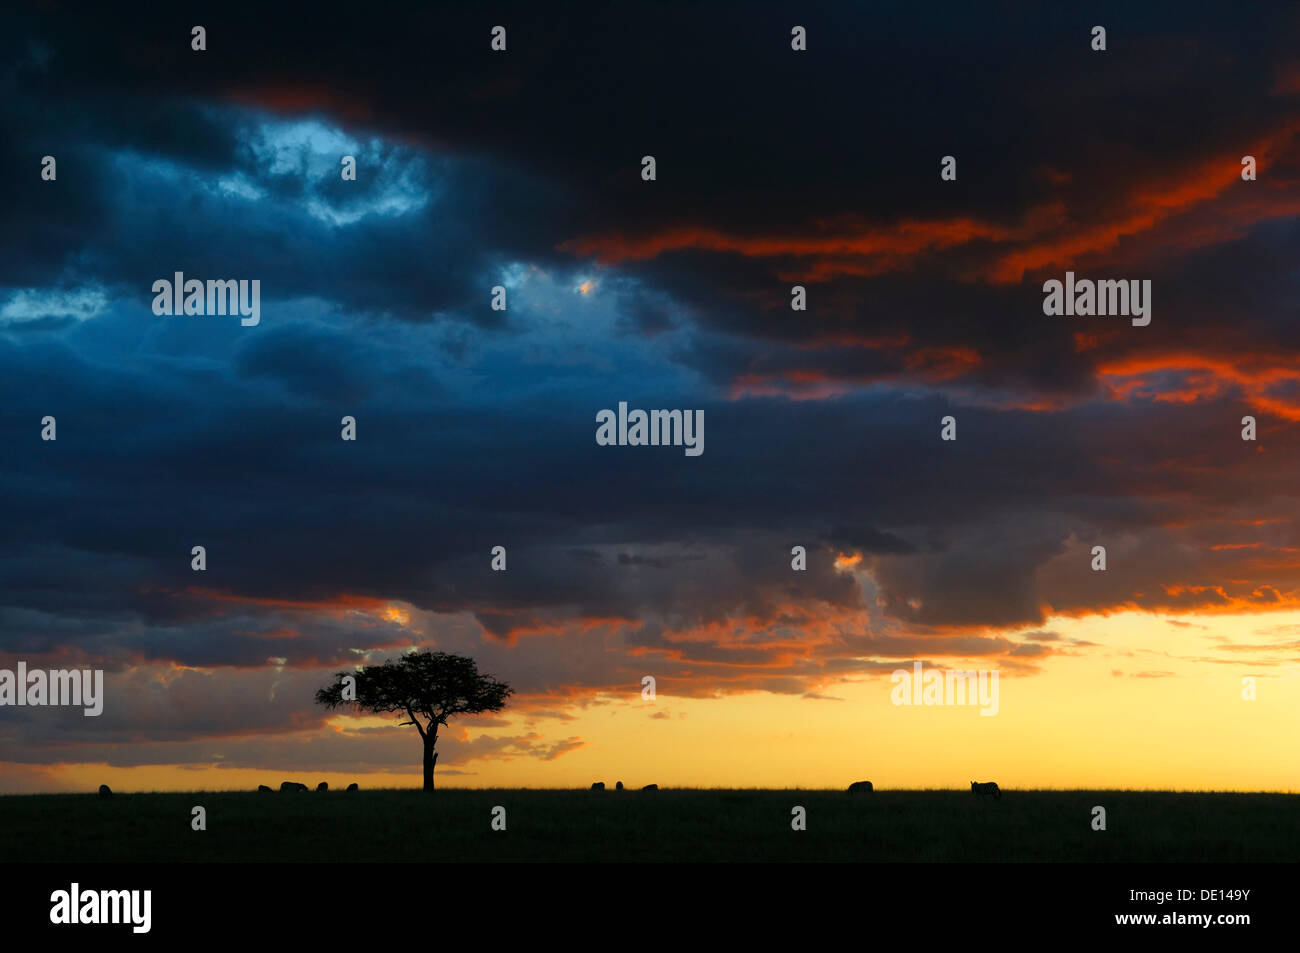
(986,789)
(861,787)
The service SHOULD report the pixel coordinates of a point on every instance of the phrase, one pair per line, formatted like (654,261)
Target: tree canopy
(432,686)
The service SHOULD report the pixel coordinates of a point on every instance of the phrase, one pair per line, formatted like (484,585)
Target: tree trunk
(430,759)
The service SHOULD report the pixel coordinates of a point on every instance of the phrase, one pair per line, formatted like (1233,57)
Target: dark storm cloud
(283,506)
(868,539)
(753,141)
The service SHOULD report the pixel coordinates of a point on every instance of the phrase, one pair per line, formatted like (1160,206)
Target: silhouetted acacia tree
(429,685)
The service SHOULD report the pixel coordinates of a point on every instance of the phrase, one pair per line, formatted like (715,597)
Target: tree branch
(411,715)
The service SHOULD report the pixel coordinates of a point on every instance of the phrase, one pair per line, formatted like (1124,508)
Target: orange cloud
(344,602)
(509,624)
(935,364)
(1256,375)
(1051,234)
(1150,206)
(890,244)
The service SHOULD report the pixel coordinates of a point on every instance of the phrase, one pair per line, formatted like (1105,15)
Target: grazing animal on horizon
(619,786)
(105,791)
(261,788)
(292,786)
(651,787)
(353,786)
(861,787)
(598,786)
(323,786)
(986,789)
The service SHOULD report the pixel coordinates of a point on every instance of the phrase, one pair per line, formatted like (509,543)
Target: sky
(476,428)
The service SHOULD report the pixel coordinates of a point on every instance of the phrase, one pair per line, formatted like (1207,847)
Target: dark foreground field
(669,825)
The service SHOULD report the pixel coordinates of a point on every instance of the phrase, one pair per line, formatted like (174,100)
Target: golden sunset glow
(1131,700)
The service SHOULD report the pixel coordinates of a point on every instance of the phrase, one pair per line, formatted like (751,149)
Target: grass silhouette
(454,825)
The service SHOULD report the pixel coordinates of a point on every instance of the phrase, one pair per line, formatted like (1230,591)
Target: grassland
(668,825)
